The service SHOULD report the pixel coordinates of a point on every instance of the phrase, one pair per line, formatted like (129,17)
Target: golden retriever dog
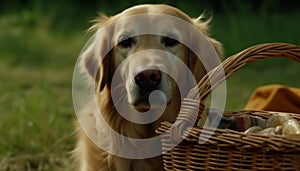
(144,61)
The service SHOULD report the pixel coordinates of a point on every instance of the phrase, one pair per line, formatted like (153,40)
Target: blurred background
(41,40)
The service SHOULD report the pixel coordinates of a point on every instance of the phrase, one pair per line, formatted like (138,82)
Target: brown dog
(148,59)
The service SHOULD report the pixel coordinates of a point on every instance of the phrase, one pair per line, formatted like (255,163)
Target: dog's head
(141,44)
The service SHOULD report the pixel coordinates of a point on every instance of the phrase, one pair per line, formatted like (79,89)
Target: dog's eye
(169,42)
(126,43)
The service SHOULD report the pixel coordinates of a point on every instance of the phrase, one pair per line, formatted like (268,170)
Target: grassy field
(36,120)
(36,65)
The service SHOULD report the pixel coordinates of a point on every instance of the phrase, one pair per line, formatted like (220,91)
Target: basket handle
(228,67)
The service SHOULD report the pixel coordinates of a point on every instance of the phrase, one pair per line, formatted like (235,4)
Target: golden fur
(89,157)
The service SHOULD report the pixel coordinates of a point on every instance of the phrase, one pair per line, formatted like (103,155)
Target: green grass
(36,64)
(36,120)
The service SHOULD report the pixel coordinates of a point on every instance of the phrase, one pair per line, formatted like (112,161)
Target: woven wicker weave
(227,149)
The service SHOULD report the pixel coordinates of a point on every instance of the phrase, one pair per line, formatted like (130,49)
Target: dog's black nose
(148,78)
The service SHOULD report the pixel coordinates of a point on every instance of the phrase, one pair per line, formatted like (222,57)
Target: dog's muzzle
(146,82)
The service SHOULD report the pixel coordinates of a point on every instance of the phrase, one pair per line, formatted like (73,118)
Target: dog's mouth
(155,99)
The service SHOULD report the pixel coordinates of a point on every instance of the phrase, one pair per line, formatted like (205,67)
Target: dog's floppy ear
(96,56)
(209,50)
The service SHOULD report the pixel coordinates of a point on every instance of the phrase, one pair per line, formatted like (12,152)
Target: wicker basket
(227,149)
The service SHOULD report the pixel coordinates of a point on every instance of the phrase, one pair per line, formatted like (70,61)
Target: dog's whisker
(118,87)
(120,90)
(120,99)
